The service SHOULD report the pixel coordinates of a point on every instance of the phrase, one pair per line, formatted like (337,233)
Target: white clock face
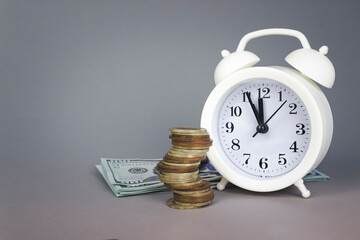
(264,128)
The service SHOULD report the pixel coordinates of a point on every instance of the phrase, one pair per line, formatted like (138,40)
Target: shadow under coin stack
(179,168)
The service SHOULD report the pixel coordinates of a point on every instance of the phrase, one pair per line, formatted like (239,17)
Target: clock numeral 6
(229,127)
(263,164)
(235,144)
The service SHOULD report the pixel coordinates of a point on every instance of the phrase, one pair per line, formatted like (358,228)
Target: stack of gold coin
(179,168)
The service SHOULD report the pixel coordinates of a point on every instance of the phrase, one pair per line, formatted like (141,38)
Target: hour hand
(253,108)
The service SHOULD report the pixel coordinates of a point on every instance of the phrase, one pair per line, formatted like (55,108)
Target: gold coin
(162,167)
(193,205)
(200,138)
(188,131)
(184,185)
(182,164)
(191,145)
(172,204)
(178,177)
(185,152)
(199,184)
(194,199)
(184,160)
(191,148)
(197,193)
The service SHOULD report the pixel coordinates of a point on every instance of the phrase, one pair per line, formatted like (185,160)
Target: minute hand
(272,115)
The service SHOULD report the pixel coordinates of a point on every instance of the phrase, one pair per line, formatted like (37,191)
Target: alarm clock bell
(310,62)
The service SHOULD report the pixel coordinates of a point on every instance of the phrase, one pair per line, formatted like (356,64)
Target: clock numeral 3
(301,130)
(235,144)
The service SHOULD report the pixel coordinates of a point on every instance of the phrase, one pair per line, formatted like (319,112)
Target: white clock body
(299,132)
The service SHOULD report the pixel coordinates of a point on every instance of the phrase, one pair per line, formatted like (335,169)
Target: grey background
(80,80)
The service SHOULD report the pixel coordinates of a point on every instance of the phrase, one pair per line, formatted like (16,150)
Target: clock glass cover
(264,128)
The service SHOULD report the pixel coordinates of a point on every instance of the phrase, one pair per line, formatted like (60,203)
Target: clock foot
(222,184)
(305,193)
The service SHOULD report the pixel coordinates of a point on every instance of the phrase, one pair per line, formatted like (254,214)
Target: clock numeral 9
(235,144)
(301,130)
(235,111)
(230,127)
(282,160)
(263,164)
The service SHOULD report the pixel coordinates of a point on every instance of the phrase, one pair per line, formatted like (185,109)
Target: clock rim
(304,88)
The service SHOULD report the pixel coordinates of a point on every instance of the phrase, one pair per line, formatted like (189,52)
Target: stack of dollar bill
(128,177)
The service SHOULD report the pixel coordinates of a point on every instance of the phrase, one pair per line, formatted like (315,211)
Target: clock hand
(253,108)
(271,116)
(262,127)
(261,110)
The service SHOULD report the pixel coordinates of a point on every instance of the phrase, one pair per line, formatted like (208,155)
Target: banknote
(122,191)
(315,175)
(127,177)
(130,171)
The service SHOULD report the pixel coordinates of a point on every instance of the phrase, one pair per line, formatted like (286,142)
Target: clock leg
(304,191)
(222,184)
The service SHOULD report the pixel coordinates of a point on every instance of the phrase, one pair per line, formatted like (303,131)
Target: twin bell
(310,62)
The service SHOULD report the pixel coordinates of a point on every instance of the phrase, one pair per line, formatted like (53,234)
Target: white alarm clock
(270,125)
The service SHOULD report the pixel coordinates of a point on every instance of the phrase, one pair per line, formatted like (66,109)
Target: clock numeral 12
(266,92)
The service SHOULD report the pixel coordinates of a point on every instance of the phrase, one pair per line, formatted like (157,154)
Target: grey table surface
(80,205)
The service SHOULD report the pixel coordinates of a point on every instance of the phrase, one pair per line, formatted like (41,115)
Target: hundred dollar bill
(130,171)
(128,190)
